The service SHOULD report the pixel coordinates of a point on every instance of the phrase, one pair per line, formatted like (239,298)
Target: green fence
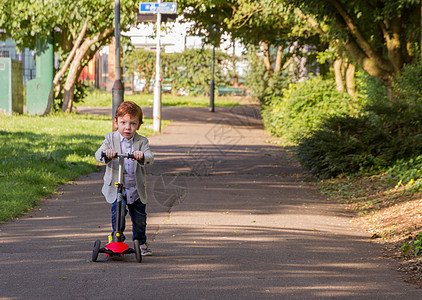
(11,86)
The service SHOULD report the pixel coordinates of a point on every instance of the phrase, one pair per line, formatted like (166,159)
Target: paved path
(229,218)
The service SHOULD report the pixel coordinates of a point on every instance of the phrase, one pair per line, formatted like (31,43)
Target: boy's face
(127,125)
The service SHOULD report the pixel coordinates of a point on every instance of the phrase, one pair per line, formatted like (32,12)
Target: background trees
(79,28)
(187,72)
(380,36)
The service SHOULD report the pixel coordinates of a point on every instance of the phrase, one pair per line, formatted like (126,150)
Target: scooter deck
(115,248)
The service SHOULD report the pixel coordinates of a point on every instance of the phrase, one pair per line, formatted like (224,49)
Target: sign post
(156,121)
(157,8)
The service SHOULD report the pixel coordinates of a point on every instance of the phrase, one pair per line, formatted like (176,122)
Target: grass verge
(97,98)
(37,154)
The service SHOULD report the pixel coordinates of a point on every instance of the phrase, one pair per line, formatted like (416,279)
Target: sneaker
(145,251)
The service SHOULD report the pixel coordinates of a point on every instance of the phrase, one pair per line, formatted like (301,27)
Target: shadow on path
(228,217)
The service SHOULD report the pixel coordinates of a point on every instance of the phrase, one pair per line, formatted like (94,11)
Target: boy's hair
(128,108)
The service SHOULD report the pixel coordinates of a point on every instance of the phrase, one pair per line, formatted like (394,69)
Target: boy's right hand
(111,154)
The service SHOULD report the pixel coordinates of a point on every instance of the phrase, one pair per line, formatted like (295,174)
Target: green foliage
(189,70)
(408,84)
(192,69)
(26,21)
(304,107)
(141,62)
(351,27)
(369,89)
(416,244)
(64,17)
(407,172)
(256,75)
(388,133)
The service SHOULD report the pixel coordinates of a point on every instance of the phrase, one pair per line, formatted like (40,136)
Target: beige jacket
(112,141)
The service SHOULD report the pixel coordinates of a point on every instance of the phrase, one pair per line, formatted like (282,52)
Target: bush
(304,107)
(342,145)
(408,84)
(386,131)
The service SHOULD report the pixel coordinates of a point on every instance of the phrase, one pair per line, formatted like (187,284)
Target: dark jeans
(138,216)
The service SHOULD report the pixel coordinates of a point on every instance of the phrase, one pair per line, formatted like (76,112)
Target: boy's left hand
(138,155)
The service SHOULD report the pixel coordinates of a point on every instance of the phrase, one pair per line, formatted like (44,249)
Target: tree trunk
(364,45)
(360,50)
(350,80)
(367,64)
(66,65)
(235,81)
(68,96)
(267,60)
(69,86)
(391,32)
(75,67)
(338,63)
(278,60)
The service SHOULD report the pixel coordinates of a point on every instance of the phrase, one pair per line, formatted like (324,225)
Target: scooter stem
(120,213)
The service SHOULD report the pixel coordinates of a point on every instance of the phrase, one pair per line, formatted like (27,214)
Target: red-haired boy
(125,139)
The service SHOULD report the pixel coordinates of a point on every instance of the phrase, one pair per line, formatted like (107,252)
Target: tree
(80,28)
(273,27)
(379,35)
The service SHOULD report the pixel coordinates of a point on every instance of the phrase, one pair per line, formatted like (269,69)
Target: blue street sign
(155,7)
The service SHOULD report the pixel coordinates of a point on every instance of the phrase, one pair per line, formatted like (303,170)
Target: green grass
(37,154)
(97,98)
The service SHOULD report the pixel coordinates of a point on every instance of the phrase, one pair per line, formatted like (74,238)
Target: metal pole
(118,89)
(212,81)
(156,113)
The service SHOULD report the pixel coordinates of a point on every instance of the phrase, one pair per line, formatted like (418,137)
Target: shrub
(342,145)
(304,107)
(386,131)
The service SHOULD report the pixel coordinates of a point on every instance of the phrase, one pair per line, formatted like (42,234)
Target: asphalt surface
(229,217)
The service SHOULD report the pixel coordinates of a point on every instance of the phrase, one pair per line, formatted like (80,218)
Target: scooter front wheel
(137,249)
(96,250)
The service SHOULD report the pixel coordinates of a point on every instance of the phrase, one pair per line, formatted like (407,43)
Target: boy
(125,139)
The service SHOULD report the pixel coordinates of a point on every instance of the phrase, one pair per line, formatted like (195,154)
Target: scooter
(116,246)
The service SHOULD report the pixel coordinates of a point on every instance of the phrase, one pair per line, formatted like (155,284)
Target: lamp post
(212,108)
(118,89)
(212,85)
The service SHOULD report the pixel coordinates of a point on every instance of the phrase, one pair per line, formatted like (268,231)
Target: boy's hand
(138,155)
(111,154)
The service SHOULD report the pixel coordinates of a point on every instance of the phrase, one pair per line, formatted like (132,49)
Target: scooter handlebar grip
(104,155)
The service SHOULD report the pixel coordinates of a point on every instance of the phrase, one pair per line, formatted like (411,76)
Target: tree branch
(360,39)
(266,51)
(76,63)
(65,66)
(311,21)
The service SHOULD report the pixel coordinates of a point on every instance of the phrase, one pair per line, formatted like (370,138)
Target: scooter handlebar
(124,155)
